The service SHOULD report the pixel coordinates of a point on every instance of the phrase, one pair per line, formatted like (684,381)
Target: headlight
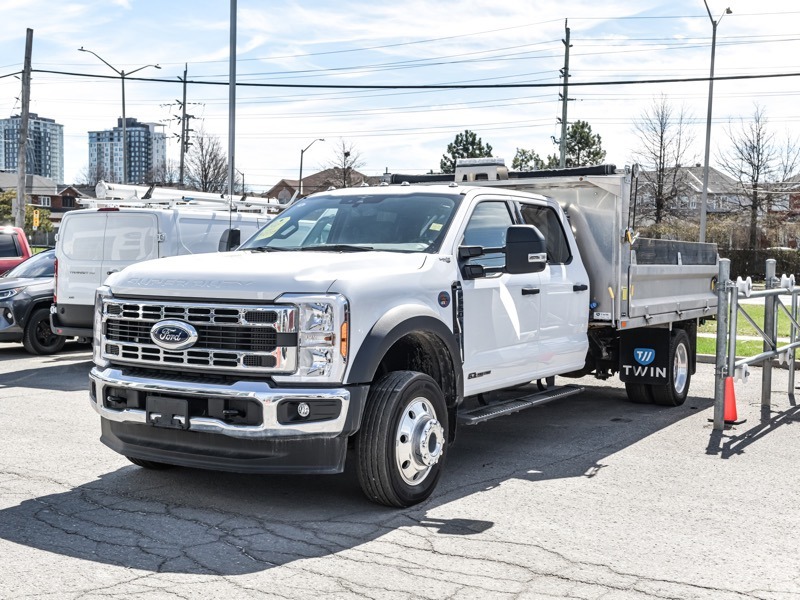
(101,294)
(6,294)
(322,325)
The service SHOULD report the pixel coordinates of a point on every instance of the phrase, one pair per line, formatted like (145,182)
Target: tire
(401,445)
(149,464)
(679,372)
(640,393)
(37,337)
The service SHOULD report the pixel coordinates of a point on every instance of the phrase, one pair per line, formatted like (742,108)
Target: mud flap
(644,356)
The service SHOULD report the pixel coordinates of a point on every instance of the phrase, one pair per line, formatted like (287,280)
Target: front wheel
(401,445)
(38,338)
(674,392)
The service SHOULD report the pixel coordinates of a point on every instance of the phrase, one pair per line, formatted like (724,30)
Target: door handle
(529,291)
(580,287)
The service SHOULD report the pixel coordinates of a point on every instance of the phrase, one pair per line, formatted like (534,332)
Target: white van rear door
(80,257)
(129,238)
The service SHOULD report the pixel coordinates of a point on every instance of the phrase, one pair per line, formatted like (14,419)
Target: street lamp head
(728,11)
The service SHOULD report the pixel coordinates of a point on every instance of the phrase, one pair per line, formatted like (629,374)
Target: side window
(8,245)
(487,227)
(545,219)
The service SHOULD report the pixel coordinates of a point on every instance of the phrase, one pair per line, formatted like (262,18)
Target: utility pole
(232,100)
(562,161)
(19,207)
(184,131)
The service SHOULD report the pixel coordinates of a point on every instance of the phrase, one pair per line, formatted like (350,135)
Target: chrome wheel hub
(680,368)
(419,441)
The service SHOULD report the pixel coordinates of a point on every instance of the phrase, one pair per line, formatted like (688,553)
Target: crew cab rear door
(564,287)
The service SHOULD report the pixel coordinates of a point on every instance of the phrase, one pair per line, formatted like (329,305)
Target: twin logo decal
(173,335)
(644,356)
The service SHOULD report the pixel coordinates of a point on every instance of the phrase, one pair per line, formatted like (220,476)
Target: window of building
(44,200)
(68,201)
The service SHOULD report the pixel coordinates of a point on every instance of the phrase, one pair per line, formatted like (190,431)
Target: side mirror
(230,240)
(526,250)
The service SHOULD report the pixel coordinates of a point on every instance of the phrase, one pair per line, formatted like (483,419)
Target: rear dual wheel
(679,374)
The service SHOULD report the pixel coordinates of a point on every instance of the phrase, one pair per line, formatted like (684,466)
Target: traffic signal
(35,219)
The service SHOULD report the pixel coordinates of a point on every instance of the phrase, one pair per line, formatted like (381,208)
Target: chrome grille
(230,338)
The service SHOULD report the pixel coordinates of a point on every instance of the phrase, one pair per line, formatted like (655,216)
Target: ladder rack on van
(112,195)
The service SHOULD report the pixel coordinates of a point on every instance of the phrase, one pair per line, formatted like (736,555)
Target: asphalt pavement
(589,497)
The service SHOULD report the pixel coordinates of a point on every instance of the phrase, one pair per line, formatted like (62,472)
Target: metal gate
(728,310)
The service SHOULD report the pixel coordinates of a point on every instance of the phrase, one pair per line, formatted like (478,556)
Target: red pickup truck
(14,248)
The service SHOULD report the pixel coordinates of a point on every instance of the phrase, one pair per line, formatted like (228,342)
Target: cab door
(501,311)
(564,286)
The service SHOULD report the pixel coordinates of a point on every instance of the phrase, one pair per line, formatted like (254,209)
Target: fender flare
(35,303)
(392,326)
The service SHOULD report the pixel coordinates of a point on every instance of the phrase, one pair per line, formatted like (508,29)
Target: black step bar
(506,407)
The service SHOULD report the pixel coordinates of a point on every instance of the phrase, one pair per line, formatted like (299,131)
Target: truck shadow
(200,522)
(64,372)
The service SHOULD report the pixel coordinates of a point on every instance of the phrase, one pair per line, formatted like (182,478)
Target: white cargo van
(94,243)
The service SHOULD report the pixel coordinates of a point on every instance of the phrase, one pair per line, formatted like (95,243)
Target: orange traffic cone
(729,397)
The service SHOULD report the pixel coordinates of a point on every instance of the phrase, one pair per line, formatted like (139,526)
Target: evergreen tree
(583,147)
(527,160)
(465,145)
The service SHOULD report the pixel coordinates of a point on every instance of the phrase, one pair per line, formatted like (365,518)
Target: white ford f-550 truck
(388,316)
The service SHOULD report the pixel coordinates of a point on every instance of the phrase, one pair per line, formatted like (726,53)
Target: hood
(250,275)
(7,283)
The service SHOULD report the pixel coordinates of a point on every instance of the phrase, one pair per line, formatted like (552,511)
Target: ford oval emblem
(173,335)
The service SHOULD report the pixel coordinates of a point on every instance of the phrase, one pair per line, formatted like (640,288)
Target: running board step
(506,407)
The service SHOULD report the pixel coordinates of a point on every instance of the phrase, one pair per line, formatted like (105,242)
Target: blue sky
(393,43)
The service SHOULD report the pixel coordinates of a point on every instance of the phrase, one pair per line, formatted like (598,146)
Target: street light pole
(303,151)
(122,74)
(704,200)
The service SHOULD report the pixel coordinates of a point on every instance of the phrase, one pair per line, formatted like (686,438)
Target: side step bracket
(512,405)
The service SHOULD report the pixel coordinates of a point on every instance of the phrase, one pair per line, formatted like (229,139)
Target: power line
(437,86)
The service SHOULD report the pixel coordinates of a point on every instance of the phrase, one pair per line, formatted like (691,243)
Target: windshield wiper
(337,248)
(268,249)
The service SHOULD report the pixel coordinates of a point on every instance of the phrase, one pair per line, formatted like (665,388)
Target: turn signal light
(343,340)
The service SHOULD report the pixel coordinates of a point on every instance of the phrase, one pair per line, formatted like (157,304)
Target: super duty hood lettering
(149,282)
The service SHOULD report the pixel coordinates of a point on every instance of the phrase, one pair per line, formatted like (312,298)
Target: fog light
(9,316)
(303,409)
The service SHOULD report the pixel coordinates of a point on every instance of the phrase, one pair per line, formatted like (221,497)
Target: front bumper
(277,442)
(10,330)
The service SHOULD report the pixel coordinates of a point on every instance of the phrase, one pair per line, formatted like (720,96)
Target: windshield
(395,223)
(38,265)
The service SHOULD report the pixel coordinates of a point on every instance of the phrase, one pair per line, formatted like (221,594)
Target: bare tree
(166,174)
(665,139)
(90,176)
(345,162)
(761,165)
(206,164)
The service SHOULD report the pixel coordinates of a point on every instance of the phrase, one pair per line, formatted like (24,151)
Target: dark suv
(26,293)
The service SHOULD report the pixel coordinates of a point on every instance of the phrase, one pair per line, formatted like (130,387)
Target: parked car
(26,293)
(14,248)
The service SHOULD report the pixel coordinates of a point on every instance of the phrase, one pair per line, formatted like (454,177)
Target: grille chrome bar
(242,338)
